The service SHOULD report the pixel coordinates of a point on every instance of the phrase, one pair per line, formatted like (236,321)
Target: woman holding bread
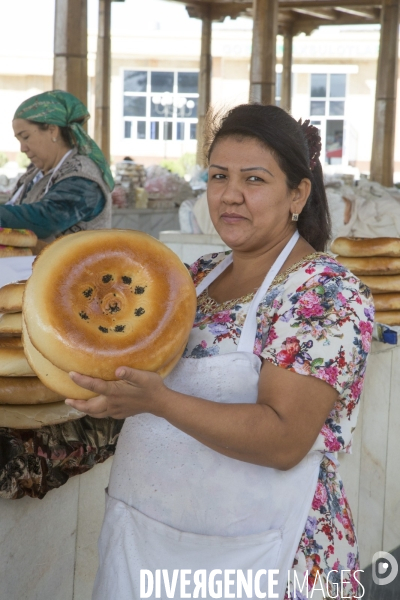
(68,185)
(229,462)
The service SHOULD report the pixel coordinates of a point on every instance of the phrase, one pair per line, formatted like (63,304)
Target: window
(327,111)
(278,88)
(160,105)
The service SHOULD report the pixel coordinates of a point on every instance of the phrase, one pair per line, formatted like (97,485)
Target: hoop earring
(295,217)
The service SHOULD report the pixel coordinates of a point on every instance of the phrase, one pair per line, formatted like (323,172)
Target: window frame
(324,118)
(148,119)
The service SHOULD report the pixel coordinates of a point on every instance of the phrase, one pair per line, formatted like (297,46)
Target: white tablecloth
(15,268)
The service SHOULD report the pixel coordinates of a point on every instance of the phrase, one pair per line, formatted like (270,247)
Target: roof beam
(329,16)
(291,4)
(361,12)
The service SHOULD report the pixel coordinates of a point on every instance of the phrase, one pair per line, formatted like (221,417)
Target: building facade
(154,94)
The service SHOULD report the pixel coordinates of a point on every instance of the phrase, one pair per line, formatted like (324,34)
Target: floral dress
(316,319)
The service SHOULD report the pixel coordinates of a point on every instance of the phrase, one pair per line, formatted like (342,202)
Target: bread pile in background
(25,402)
(376,261)
(16,242)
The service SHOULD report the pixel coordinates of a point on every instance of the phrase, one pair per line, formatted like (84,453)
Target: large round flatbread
(11,251)
(51,376)
(37,416)
(11,324)
(11,297)
(390,317)
(385,302)
(364,247)
(60,381)
(13,363)
(379,284)
(380,265)
(23,238)
(11,342)
(100,299)
(26,390)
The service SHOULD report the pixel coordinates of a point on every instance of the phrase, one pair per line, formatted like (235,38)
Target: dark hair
(282,134)
(65,132)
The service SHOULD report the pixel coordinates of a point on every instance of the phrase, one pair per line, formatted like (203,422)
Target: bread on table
(11,297)
(380,265)
(13,363)
(10,251)
(390,317)
(384,302)
(11,324)
(381,284)
(364,247)
(31,416)
(11,342)
(26,390)
(22,238)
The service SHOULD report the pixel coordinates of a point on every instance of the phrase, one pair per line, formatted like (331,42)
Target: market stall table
(149,220)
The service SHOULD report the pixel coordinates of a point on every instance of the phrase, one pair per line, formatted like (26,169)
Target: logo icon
(384,568)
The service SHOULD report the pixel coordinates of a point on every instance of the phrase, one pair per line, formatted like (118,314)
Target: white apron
(175,504)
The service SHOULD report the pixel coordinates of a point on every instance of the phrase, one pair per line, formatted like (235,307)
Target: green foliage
(3,159)
(182,166)
(23,161)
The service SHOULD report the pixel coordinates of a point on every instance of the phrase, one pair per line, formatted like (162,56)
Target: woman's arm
(276,432)
(66,203)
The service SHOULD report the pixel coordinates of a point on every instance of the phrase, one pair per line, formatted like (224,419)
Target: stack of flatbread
(376,261)
(16,242)
(25,402)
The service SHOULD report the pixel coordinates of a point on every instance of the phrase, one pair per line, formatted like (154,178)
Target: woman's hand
(135,392)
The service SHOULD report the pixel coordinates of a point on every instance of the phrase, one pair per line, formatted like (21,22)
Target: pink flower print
(320,496)
(328,374)
(271,336)
(341,298)
(291,348)
(257,347)
(195,268)
(356,388)
(222,317)
(366,334)
(310,270)
(331,442)
(203,344)
(310,305)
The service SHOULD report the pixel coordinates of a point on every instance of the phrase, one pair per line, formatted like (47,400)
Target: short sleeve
(321,325)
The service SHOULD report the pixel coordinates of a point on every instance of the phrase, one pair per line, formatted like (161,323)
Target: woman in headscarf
(68,185)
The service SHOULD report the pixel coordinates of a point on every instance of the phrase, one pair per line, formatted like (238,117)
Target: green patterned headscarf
(63,109)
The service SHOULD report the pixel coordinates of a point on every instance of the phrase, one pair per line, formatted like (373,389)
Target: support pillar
(204,81)
(103,79)
(70,48)
(286,84)
(382,158)
(263,55)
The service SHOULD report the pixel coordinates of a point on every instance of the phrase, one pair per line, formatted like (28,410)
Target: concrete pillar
(103,79)
(263,55)
(204,81)
(286,84)
(382,158)
(70,48)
